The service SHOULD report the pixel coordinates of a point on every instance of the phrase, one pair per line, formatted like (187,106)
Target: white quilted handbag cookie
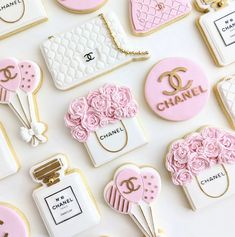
(88,51)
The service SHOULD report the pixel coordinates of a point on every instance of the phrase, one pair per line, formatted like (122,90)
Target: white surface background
(174,214)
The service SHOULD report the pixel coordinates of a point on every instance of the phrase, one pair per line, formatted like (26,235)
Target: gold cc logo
(175,81)
(130,185)
(7,74)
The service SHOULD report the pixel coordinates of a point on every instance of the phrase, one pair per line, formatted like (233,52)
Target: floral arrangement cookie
(105,122)
(203,163)
(19,83)
(134,192)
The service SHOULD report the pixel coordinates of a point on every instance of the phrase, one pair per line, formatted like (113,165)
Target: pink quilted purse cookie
(150,15)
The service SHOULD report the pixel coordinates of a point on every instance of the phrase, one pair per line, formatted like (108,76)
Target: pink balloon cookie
(148,16)
(82,6)
(177,89)
(12,222)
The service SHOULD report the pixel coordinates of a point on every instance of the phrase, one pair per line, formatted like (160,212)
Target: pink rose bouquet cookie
(19,83)
(105,121)
(148,16)
(81,6)
(13,223)
(134,191)
(203,163)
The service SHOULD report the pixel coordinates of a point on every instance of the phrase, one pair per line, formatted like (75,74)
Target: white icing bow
(34,134)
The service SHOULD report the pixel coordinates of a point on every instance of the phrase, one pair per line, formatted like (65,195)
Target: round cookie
(12,222)
(82,6)
(176,89)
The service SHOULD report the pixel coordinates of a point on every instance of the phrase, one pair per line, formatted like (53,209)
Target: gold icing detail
(7,73)
(176,84)
(130,185)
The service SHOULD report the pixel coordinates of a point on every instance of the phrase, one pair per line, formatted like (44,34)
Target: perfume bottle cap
(212,4)
(51,171)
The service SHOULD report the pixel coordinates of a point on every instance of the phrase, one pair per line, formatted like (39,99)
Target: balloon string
(18,115)
(153,222)
(146,220)
(140,225)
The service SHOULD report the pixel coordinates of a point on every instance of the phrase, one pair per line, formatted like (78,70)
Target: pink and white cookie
(177,89)
(82,6)
(13,223)
(203,163)
(134,191)
(148,16)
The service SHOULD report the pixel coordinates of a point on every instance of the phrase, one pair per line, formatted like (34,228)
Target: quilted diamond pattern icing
(86,52)
(226,90)
(149,15)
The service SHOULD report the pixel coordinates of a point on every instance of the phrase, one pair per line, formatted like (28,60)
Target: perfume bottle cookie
(19,83)
(88,51)
(203,164)
(216,27)
(13,223)
(105,121)
(225,93)
(134,191)
(148,16)
(176,89)
(64,200)
(20,14)
(83,6)
(9,163)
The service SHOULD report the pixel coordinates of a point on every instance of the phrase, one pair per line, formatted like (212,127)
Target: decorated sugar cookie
(217,27)
(105,121)
(176,89)
(13,223)
(82,6)
(8,160)
(203,163)
(134,191)
(63,199)
(19,83)
(225,93)
(148,16)
(90,50)
(18,15)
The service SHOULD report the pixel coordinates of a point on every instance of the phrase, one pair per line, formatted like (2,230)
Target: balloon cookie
(217,29)
(90,50)
(149,16)
(105,121)
(18,15)
(82,6)
(13,223)
(133,191)
(203,163)
(176,89)
(19,83)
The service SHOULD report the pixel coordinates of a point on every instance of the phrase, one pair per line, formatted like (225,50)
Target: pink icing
(184,96)
(115,199)
(81,5)
(30,73)
(9,74)
(13,224)
(101,107)
(199,151)
(148,15)
(5,95)
(152,184)
(130,184)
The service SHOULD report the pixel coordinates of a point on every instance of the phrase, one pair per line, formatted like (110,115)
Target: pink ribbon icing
(101,107)
(199,151)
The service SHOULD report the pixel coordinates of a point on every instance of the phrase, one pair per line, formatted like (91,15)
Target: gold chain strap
(117,43)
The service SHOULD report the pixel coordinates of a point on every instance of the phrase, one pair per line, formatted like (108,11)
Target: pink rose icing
(82,5)
(199,151)
(101,107)
(149,15)
(12,223)
(176,89)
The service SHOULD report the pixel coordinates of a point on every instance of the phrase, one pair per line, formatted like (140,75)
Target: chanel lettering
(109,134)
(212,178)
(61,204)
(10,4)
